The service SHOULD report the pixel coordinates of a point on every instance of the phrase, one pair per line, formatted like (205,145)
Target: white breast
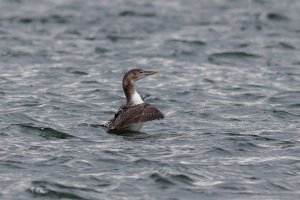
(135,127)
(136,98)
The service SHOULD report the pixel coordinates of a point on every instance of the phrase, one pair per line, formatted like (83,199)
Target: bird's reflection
(131,135)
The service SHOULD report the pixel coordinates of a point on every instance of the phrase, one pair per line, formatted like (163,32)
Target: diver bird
(133,114)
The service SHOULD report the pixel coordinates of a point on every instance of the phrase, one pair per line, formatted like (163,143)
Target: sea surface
(229,87)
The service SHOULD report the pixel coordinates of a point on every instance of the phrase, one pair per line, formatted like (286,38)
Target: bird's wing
(137,114)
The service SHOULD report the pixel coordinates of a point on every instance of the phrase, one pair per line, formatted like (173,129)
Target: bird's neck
(132,96)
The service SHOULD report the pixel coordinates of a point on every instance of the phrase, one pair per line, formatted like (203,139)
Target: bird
(135,112)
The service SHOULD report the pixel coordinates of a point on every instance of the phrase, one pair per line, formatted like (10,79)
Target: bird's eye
(140,72)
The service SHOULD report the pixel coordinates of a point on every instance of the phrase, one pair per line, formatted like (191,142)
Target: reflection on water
(229,88)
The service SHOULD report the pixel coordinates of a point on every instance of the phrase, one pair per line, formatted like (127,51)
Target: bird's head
(137,74)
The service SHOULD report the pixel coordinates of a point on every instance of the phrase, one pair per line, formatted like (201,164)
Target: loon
(132,115)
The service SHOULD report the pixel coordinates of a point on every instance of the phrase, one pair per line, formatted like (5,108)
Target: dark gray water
(229,87)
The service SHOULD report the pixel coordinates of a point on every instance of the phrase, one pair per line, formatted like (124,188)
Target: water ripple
(229,89)
(45,132)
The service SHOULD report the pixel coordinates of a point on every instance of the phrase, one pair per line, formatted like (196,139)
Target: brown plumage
(134,115)
(135,112)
